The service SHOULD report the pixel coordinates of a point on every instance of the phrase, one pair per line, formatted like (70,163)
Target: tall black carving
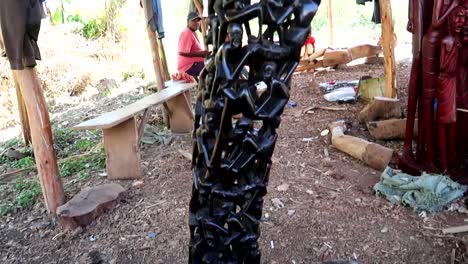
(242,93)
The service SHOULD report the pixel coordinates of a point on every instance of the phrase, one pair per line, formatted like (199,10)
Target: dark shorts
(196,68)
(20,21)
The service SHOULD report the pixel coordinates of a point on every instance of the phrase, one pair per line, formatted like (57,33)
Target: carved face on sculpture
(464,33)
(457,18)
(235,35)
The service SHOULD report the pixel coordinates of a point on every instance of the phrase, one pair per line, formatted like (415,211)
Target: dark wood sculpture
(438,88)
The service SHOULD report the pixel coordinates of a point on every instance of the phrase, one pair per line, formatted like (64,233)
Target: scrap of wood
(452,260)
(380,108)
(329,108)
(12,173)
(455,229)
(389,129)
(374,155)
(185,154)
(332,57)
(16,172)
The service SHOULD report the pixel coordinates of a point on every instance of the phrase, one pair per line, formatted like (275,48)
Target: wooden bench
(121,134)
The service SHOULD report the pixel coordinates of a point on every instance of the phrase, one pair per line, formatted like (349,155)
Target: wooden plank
(122,152)
(456,229)
(388,48)
(118,116)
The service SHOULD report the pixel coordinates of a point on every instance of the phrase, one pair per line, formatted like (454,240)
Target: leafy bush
(94,28)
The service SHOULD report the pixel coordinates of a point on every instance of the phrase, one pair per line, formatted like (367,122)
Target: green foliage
(57,16)
(83,166)
(27,192)
(24,163)
(71,142)
(75,18)
(134,71)
(84,145)
(7,208)
(94,28)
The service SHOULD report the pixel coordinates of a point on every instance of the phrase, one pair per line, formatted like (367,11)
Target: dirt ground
(330,211)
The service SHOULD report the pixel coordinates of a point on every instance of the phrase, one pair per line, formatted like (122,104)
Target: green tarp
(429,192)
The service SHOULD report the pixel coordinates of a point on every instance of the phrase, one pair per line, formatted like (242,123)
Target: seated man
(191,56)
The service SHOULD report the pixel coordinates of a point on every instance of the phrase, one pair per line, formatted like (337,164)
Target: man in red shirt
(191,56)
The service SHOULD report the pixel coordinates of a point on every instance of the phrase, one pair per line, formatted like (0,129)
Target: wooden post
(153,40)
(165,68)
(23,114)
(41,134)
(330,23)
(388,48)
(199,6)
(177,121)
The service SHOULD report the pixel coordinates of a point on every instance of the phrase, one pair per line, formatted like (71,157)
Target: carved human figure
(447,85)
(462,99)
(431,67)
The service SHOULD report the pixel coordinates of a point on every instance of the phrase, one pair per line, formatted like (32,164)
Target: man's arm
(193,54)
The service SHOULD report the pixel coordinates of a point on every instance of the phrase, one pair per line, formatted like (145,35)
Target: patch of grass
(69,142)
(23,163)
(134,71)
(27,192)
(7,208)
(83,166)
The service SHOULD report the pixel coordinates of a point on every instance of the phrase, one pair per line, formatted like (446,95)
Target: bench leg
(122,151)
(181,116)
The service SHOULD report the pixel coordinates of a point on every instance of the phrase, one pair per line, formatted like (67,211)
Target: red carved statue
(438,87)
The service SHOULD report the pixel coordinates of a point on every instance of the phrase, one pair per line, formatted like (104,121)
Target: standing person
(191,56)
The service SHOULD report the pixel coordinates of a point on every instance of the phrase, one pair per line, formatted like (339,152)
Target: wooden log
(389,129)
(90,203)
(380,108)
(329,57)
(374,155)
(42,141)
(23,114)
(363,51)
(388,48)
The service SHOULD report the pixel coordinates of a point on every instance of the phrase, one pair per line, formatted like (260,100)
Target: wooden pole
(153,40)
(165,68)
(42,141)
(22,113)
(388,48)
(199,6)
(330,24)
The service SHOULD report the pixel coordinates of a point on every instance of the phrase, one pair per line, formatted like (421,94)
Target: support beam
(154,46)
(199,6)
(388,48)
(23,114)
(330,24)
(41,134)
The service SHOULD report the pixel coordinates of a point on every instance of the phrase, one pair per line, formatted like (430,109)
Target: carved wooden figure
(438,88)
(447,85)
